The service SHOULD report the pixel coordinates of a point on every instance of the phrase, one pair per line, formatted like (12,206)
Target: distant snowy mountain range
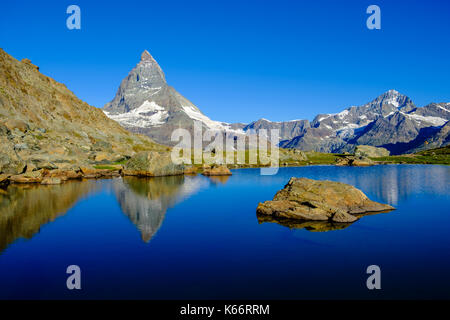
(146,104)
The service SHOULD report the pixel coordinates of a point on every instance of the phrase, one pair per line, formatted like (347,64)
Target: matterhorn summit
(146,104)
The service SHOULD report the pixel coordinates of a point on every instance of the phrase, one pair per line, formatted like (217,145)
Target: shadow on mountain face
(402,147)
(25,208)
(378,132)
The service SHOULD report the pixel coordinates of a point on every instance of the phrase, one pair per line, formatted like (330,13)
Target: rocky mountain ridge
(146,104)
(43,125)
(391,121)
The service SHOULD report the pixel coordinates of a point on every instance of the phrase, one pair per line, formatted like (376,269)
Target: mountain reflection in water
(25,208)
(145,200)
(206,242)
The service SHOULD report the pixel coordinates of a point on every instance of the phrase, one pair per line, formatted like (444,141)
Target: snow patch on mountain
(445,108)
(392,101)
(149,114)
(195,114)
(342,114)
(435,121)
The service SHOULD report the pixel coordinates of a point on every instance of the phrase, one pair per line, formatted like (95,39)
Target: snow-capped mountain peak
(145,103)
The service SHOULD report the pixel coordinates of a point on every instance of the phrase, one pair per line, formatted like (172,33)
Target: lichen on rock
(319,200)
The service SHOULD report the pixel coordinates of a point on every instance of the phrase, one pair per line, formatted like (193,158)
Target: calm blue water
(195,237)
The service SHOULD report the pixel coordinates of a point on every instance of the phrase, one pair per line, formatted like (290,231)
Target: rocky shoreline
(143,164)
(151,164)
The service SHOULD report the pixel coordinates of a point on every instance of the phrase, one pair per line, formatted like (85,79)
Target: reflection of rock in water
(313,226)
(145,200)
(219,179)
(25,208)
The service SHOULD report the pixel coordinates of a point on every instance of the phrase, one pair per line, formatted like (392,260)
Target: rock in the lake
(217,171)
(369,151)
(354,161)
(362,162)
(319,200)
(152,164)
(345,161)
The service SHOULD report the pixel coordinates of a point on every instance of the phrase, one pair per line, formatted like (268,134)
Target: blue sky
(239,61)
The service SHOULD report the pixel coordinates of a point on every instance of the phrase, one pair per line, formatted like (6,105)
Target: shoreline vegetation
(288,158)
(298,158)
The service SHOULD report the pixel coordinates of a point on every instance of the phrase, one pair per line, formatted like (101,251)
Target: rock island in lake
(319,200)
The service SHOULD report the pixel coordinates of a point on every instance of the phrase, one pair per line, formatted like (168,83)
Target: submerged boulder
(152,164)
(319,200)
